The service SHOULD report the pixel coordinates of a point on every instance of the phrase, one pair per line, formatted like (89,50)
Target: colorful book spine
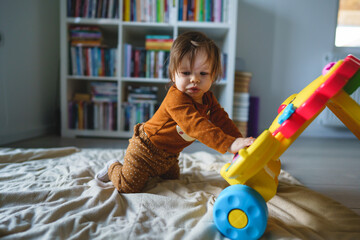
(140,107)
(93,8)
(126,12)
(180,11)
(200,11)
(146,10)
(140,62)
(160,11)
(93,61)
(203,10)
(207,10)
(185,10)
(217,10)
(96,110)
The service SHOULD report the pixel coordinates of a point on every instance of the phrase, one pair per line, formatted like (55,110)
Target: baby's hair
(187,45)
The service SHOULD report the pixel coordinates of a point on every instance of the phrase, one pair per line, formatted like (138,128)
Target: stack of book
(104,91)
(88,56)
(203,10)
(241,101)
(147,10)
(90,36)
(96,110)
(140,106)
(158,42)
(93,8)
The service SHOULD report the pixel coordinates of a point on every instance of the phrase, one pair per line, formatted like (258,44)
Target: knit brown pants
(142,161)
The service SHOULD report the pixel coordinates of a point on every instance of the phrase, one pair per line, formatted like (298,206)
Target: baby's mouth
(193,90)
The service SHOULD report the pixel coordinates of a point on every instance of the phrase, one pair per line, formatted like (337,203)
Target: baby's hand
(240,143)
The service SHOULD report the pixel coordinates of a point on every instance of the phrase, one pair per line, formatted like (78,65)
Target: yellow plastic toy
(240,211)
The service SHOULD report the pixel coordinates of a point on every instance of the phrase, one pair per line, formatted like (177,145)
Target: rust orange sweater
(180,120)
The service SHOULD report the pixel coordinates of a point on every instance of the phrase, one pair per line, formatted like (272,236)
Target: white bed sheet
(52,194)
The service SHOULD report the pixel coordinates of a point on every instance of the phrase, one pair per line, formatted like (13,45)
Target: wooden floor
(328,166)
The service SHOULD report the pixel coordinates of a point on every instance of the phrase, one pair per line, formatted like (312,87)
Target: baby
(189,112)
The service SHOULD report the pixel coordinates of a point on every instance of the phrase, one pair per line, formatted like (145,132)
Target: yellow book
(82,97)
(158,45)
(126,12)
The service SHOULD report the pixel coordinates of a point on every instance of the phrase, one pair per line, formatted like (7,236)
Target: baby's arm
(240,143)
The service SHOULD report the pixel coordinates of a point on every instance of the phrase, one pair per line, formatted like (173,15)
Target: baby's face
(196,81)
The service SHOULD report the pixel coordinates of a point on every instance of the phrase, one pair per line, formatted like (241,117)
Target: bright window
(348,24)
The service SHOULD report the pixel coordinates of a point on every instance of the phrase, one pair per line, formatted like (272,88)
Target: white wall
(284,42)
(29,68)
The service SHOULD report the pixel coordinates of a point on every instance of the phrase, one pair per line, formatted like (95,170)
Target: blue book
(78,61)
(157,37)
(180,16)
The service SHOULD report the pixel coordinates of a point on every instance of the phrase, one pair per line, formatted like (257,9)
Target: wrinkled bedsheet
(52,194)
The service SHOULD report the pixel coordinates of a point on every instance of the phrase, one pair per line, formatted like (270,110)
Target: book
(181,9)
(224,65)
(146,10)
(158,42)
(126,13)
(160,64)
(82,97)
(79,61)
(92,115)
(203,10)
(93,61)
(73,61)
(184,10)
(191,10)
(143,63)
(217,10)
(200,14)
(140,107)
(161,44)
(208,10)
(92,8)
(85,36)
(225,11)
(104,91)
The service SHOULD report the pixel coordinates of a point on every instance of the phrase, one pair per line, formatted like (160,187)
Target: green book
(160,11)
(201,11)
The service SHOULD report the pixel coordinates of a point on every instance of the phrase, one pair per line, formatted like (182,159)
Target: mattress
(52,194)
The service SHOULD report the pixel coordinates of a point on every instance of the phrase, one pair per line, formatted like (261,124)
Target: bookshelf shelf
(96,21)
(91,78)
(98,133)
(146,25)
(144,80)
(116,34)
(190,24)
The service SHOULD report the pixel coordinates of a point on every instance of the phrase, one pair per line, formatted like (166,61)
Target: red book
(185,10)
(137,63)
(87,62)
(77,8)
(85,9)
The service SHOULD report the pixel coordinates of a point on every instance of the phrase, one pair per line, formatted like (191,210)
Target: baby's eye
(204,73)
(186,73)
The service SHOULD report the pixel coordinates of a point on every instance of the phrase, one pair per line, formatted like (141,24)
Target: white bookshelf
(223,33)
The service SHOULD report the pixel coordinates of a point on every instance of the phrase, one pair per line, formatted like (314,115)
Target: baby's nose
(194,79)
